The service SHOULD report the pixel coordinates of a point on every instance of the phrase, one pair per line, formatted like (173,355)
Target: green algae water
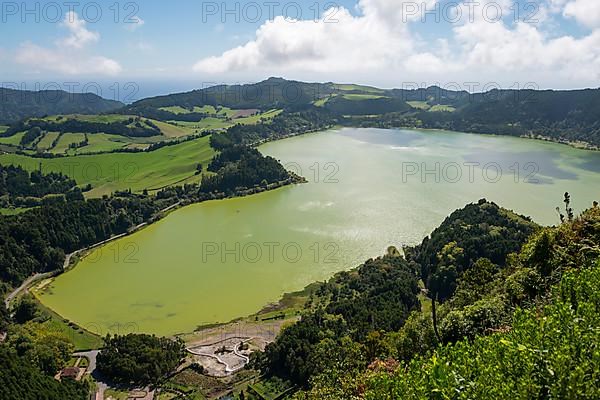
(367,189)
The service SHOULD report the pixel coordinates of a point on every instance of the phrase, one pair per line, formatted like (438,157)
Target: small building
(70,373)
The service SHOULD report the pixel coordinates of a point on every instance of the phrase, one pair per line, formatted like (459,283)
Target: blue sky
(176,45)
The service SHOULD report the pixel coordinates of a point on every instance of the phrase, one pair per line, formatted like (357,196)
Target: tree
(139,359)
(43,347)
(26,310)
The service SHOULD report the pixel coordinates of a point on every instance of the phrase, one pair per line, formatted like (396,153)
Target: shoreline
(28,284)
(81,254)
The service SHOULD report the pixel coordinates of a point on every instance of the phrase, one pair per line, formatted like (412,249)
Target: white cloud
(64,62)
(134,23)
(69,55)
(80,36)
(586,12)
(378,44)
(319,46)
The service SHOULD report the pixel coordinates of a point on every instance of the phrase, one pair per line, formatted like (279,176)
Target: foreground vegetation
(526,327)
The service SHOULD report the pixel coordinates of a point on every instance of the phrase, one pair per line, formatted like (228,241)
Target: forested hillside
(21,381)
(19,104)
(21,188)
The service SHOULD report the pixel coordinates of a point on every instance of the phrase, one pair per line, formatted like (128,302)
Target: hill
(522,323)
(528,330)
(562,116)
(19,104)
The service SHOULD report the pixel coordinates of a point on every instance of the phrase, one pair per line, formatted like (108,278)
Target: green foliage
(30,136)
(481,230)
(344,105)
(415,337)
(21,188)
(491,348)
(26,310)
(378,296)
(47,349)
(547,356)
(139,359)
(474,319)
(240,166)
(20,380)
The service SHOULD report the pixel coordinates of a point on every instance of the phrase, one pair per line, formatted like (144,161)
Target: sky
(135,49)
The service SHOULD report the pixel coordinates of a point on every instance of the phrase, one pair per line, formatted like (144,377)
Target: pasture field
(210,123)
(173,131)
(13,140)
(178,110)
(3,128)
(421,105)
(121,171)
(103,119)
(255,119)
(47,140)
(166,129)
(216,123)
(12,211)
(221,111)
(359,97)
(321,102)
(351,88)
(66,140)
(442,108)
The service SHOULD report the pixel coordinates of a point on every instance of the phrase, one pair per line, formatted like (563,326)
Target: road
(91,356)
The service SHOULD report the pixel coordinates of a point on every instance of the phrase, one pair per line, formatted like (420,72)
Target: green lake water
(216,261)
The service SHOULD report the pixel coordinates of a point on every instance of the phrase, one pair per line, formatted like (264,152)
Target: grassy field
(174,131)
(65,140)
(178,110)
(421,105)
(82,339)
(216,123)
(98,143)
(321,102)
(104,119)
(167,130)
(47,140)
(442,108)
(120,171)
(13,140)
(350,88)
(362,96)
(210,110)
(255,119)
(209,123)
(12,211)
(3,128)
(204,109)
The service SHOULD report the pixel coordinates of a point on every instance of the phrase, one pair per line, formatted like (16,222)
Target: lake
(368,189)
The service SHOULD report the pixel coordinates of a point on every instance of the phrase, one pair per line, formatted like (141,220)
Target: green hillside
(520,322)
(121,171)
